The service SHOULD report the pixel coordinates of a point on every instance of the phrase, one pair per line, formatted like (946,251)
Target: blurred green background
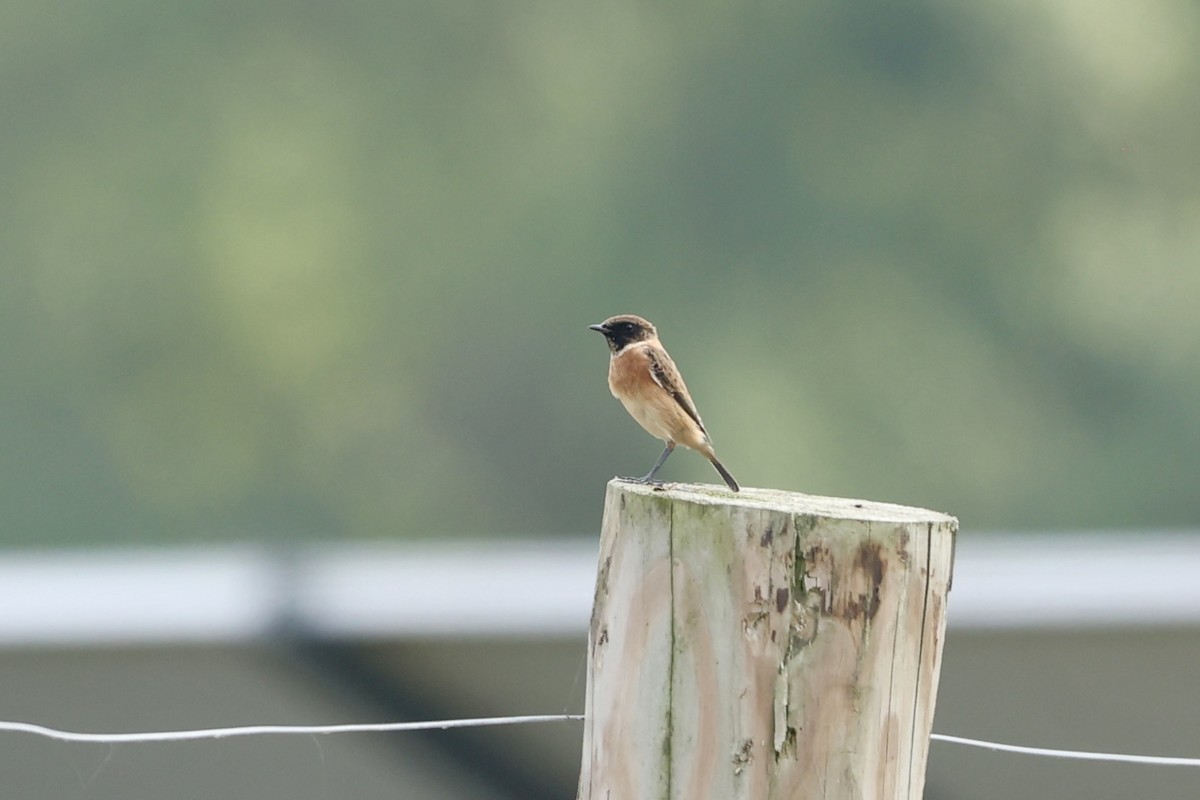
(310,270)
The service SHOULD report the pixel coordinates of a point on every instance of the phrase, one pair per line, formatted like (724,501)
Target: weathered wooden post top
(762,645)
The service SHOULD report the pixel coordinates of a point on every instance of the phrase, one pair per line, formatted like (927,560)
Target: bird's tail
(729,481)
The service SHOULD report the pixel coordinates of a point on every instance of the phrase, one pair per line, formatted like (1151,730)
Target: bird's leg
(649,476)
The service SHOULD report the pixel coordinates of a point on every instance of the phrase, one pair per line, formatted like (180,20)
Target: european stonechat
(644,378)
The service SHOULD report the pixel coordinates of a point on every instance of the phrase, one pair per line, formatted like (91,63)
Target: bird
(643,377)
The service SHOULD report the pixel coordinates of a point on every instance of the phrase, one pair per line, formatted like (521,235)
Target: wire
(445,724)
(259,730)
(1079,755)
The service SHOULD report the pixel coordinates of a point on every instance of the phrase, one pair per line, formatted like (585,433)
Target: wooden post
(763,645)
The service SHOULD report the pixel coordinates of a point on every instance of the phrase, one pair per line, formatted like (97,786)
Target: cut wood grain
(762,645)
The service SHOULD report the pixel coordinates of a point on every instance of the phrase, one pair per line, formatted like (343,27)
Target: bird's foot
(645,480)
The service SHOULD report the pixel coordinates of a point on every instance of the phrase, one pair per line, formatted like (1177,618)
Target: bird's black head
(625,329)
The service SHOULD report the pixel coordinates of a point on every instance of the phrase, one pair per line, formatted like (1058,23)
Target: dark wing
(666,375)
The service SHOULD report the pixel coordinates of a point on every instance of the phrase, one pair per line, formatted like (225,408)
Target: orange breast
(629,373)
(631,382)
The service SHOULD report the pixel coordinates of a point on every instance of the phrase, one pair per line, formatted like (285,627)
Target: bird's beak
(597,328)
